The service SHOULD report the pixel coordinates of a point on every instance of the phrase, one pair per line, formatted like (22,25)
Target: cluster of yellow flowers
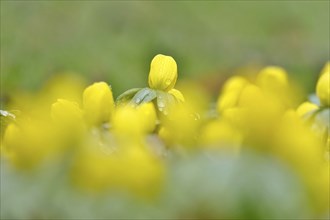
(127,144)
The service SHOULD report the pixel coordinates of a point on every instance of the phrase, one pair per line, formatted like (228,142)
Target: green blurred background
(115,41)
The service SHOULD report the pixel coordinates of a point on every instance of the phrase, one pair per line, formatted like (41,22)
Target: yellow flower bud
(165,135)
(163,73)
(251,96)
(230,93)
(148,112)
(65,111)
(177,94)
(132,122)
(220,134)
(235,83)
(323,88)
(68,118)
(29,143)
(94,171)
(272,79)
(126,120)
(228,100)
(98,103)
(305,108)
(182,125)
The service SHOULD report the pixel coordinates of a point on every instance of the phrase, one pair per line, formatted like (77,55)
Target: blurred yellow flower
(98,103)
(235,83)
(230,93)
(68,121)
(131,169)
(274,83)
(127,121)
(134,122)
(163,73)
(148,115)
(272,78)
(326,68)
(65,111)
(141,172)
(122,151)
(295,144)
(29,143)
(220,134)
(177,94)
(181,126)
(306,108)
(323,88)
(228,100)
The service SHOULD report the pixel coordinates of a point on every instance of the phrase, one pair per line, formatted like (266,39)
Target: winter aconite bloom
(306,108)
(29,143)
(64,111)
(163,73)
(134,122)
(68,119)
(132,169)
(177,94)
(272,78)
(98,103)
(323,88)
(274,82)
(148,113)
(230,93)
(147,155)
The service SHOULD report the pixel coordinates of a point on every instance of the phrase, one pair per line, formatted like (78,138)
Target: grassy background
(115,41)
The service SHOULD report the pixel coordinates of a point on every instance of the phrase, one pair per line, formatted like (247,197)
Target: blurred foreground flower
(98,103)
(158,154)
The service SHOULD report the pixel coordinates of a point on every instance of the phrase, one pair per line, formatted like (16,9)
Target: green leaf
(127,96)
(314,99)
(143,96)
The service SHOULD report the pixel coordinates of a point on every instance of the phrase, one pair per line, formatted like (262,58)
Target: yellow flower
(163,73)
(29,143)
(140,172)
(165,135)
(181,125)
(272,78)
(132,123)
(177,94)
(323,88)
(296,145)
(235,83)
(220,134)
(93,169)
(251,96)
(126,121)
(98,103)
(149,116)
(306,108)
(230,93)
(228,100)
(65,111)
(132,169)
(68,120)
